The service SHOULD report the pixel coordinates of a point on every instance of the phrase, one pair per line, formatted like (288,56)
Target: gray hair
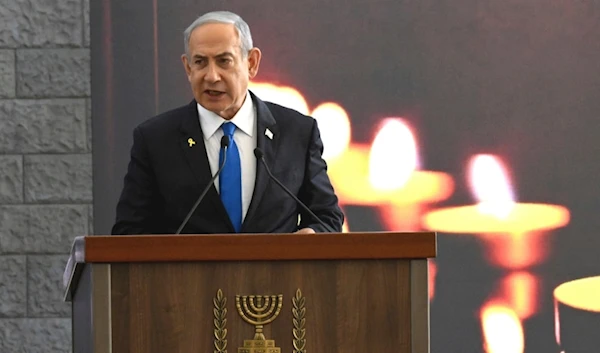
(221,17)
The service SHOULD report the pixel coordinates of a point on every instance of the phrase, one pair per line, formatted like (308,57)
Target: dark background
(515,78)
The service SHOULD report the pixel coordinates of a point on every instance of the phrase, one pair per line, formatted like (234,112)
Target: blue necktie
(230,180)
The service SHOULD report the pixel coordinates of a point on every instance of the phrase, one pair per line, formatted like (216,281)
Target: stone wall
(46,173)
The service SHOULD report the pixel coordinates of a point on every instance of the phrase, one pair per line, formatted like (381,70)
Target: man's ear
(186,66)
(254,56)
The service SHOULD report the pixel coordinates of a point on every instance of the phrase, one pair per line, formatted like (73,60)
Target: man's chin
(219,109)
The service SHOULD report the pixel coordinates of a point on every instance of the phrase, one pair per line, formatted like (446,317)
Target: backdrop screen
(476,119)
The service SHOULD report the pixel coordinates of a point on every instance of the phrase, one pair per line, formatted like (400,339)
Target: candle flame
(393,156)
(491,186)
(286,96)
(432,276)
(334,126)
(345,228)
(502,329)
(520,290)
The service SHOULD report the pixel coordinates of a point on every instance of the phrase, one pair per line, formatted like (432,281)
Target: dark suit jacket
(165,177)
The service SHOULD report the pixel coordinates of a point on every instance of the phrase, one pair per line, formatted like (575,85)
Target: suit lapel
(195,154)
(267,140)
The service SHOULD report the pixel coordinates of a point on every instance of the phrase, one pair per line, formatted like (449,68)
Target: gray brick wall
(46,165)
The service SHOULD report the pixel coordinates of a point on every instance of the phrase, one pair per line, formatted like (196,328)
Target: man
(175,154)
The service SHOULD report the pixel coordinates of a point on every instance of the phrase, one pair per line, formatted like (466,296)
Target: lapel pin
(269,134)
(191,142)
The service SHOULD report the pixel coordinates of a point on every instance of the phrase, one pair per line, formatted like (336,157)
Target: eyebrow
(221,55)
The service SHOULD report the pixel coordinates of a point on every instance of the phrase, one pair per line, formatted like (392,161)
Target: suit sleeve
(139,205)
(316,191)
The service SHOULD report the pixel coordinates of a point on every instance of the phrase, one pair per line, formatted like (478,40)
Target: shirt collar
(244,119)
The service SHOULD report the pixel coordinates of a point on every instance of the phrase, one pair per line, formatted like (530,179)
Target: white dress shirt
(245,139)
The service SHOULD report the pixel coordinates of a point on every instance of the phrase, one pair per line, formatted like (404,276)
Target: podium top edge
(248,247)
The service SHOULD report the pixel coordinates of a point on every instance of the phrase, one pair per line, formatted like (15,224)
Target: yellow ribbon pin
(191,142)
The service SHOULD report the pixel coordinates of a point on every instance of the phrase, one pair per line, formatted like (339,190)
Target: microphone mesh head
(225,141)
(258,153)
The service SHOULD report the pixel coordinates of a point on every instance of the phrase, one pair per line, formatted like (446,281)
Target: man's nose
(212,73)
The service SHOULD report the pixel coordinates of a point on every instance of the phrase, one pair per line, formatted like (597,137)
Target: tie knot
(228,128)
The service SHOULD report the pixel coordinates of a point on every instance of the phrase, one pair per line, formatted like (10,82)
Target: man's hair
(221,17)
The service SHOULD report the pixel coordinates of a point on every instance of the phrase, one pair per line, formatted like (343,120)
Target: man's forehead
(214,40)
(210,32)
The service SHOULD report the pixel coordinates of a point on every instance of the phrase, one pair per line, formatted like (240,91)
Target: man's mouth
(213,93)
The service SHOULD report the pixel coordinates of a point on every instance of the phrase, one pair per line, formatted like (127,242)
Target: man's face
(217,70)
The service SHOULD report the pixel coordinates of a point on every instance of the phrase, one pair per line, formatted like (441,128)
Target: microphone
(224,145)
(259,155)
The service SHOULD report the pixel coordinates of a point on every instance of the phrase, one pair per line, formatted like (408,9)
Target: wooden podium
(251,293)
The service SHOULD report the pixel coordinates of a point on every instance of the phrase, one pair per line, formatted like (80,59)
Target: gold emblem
(191,142)
(299,320)
(259,311)
(220,321)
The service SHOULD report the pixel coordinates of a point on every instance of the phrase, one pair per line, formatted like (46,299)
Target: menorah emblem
(259,311)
